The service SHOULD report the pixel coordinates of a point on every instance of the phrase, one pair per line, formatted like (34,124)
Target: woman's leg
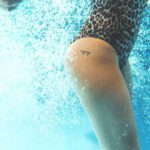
(94,73)
(126,72)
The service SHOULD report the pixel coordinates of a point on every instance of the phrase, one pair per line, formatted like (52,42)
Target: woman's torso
(115,21)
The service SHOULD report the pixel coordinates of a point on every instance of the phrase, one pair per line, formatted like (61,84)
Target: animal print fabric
(115,21)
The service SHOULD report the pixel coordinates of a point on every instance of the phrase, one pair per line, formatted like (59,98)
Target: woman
(97,61)
(98,64)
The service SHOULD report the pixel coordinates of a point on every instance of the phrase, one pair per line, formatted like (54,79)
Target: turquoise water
(38,108)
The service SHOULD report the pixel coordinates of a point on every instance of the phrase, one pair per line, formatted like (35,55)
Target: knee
(87,54)
(98,69)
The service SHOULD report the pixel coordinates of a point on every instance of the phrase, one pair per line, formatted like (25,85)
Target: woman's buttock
(116,22)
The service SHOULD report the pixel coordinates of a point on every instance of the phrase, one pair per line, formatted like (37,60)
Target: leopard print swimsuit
(116,22)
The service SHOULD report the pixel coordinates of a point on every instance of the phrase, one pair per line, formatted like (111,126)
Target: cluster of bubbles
(140,67)
(34,40)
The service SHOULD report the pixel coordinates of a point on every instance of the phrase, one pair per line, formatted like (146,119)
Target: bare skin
(93,70)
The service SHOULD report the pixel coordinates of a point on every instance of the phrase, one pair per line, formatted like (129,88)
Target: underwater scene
(39,109)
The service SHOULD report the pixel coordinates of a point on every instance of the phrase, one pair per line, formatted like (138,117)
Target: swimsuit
(116,22)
